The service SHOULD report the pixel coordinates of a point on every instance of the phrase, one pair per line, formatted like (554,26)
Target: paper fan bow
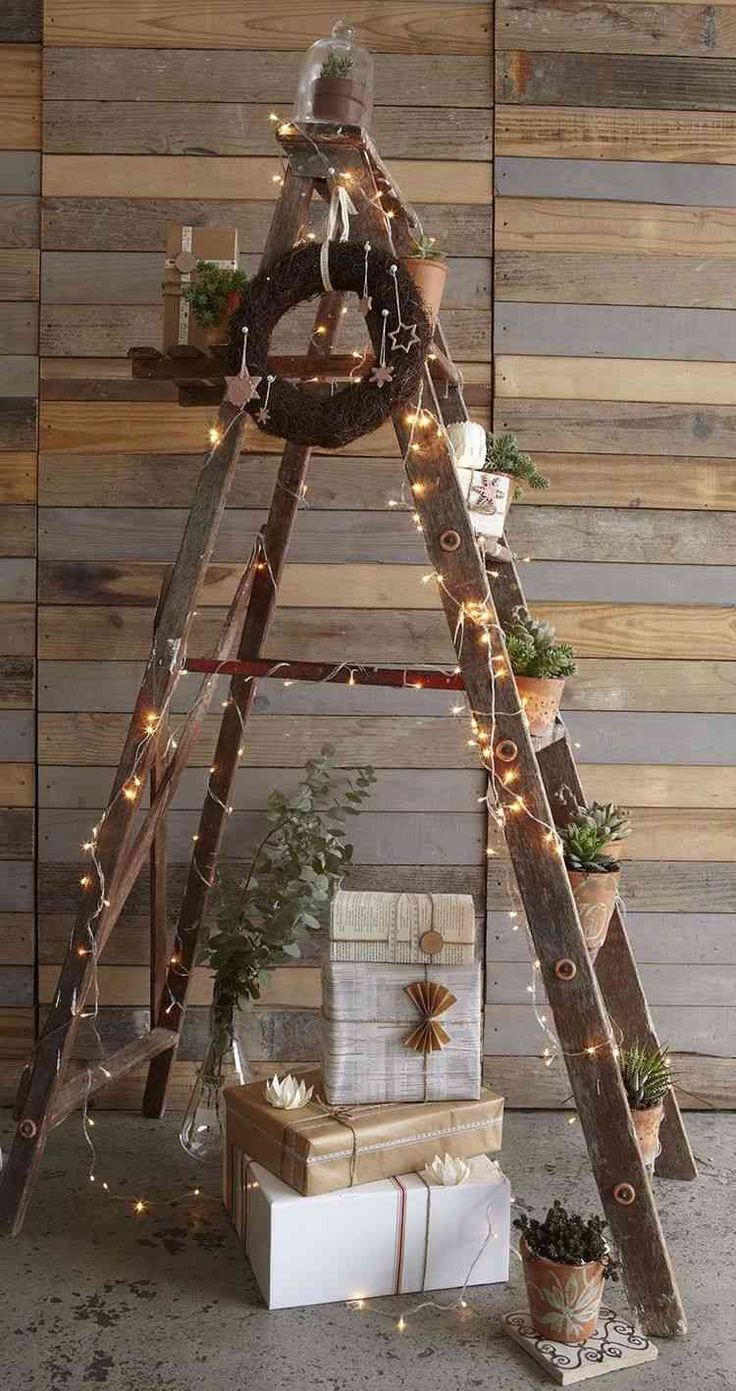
(431,1000)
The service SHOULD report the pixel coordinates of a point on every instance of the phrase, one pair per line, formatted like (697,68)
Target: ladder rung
(342,674)
(194,366)
(89,1080)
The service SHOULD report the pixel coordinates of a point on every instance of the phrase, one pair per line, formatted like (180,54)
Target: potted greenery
(647,1076)
(566,1261)
(614,824)
(486,465)
(427,267)
(593,875)
(259,916)
(213,295)
(540,665)
(337,97)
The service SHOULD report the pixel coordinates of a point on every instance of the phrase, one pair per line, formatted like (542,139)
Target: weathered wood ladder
(581,998)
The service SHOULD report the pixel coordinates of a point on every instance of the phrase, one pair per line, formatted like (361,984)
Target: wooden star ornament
(241,390)
(381,374)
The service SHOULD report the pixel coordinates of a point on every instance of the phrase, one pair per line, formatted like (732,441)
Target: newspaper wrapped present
(403,928)
(320,1148)
(395,1033)
(396,1236)
(184,247)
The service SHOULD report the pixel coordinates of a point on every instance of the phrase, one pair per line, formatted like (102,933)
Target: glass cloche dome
(336,81)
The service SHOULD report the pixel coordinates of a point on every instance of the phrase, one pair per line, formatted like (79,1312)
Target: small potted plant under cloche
(593,876)
(540,665)
(647,1077)
(427,267)
(213,295)
(566,1261)
(486,466)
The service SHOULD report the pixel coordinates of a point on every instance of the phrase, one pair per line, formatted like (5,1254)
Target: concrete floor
(95,1296)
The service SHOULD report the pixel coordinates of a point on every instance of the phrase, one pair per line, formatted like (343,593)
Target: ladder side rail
(577,1005)
(276,538)
(617,972)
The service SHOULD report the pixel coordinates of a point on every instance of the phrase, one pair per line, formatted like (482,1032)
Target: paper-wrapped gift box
(319,1148)
(184,247)
(409,927)
(396,1236)
(400,1033)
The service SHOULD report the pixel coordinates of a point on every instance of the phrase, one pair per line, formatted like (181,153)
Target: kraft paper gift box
(400,1235)
(184,247)
(406,927)
(319,1148)
(400,1033)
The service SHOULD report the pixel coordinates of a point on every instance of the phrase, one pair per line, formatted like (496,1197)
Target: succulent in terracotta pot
(427,267)
(647,1077)
(593,876)
(613,822)
(540,665)
(566,1262)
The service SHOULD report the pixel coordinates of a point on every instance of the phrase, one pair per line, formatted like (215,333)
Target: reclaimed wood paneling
(20,141)
(615,363)
(419,26)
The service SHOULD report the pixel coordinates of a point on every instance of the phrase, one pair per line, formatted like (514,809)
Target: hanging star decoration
(243,388)
(404,337)
(264,415)
(381,373)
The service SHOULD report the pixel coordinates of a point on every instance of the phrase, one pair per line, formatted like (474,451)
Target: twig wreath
(397,323)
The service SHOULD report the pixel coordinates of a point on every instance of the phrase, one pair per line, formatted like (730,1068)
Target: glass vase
(202,1130)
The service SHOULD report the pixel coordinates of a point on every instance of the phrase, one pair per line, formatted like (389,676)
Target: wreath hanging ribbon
(338,229)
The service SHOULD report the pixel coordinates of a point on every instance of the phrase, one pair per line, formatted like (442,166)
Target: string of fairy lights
(476,623)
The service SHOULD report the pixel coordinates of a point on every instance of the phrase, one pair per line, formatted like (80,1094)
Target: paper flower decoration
(448,1172)
(287,1094)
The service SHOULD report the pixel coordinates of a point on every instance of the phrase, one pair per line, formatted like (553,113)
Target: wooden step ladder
(478,598)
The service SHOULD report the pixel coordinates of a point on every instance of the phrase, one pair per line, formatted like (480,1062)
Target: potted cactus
(540,665)
(427,267)
(566,1261)
(647,1076)
(214,294)
(593,876)
(337,97)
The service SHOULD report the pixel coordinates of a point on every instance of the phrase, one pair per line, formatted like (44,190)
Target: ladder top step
(150,365)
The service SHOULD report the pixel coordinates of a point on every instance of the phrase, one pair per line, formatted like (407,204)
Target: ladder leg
(115,835)
(577,1005)
(276,537)
(617,972)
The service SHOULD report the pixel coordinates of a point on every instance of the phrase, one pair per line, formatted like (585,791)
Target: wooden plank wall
(615,244)
(20,161)
(152,117)
(615,363)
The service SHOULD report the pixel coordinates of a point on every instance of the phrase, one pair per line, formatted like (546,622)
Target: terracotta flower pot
(540,696)
(646,1125)
(429,276)
(216,335)
(340,101)
(564,1300)
(595,896)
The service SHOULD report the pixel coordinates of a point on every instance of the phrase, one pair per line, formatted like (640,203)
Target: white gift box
(397,1236)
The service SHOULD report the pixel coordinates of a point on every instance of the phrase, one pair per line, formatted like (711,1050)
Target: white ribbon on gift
(338,229)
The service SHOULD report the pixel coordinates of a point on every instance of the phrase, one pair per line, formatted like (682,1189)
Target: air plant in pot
(566,1261)
(213,296)
(593,875)
(427,267)
(540,665)
(646,1073)
(487,465)
(261,912)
